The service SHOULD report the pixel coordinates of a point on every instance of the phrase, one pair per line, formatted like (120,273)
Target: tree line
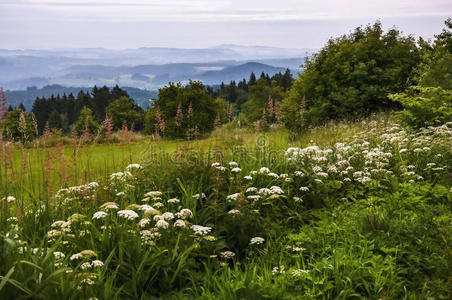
(351,76)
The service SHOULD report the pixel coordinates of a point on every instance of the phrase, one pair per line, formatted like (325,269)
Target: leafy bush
(425,106)
(184,111)
(351,76)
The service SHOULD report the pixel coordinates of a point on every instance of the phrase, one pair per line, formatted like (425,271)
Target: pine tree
(252,80)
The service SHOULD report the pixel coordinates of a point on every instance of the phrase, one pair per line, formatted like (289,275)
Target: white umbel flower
(128,214)
(201,230)
(99,215)
(257,240)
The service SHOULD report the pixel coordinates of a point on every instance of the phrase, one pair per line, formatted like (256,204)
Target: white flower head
(236,170)
(227,254)
(173,200)
(97,263)
(184,214)
(128,214)
(179,223)
(201,230)
(264,170)
(99,215)
(161,224)
(257,240)
(133,166)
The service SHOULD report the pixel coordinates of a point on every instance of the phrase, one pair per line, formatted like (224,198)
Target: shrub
(424,105)
(352,75)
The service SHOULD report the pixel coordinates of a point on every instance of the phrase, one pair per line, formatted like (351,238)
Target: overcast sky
(204,23)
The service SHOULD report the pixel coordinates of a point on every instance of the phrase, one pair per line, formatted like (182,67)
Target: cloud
(221,10)
(199,23)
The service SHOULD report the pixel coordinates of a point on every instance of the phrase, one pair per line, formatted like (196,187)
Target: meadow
(345,210)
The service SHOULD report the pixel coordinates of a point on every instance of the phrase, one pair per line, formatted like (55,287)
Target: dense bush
(184,111)
(18,125)
(351,76)
(425,106)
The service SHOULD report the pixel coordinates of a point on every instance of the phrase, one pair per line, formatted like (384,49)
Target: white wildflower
(179,223)
(197,196)
(233,197)
(257,240)
(144,222)
(264,170)
(278,270)
(161,224)
(153,194)
(173,200)
(76,256)
(168,216)
(158,204)
(201,230)
(97,264)
(99,215)
(184,213)
(251,190)
(299,272)
(128,214)
(227,254)
(59,255)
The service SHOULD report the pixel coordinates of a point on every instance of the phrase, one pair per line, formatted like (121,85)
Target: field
(346,210)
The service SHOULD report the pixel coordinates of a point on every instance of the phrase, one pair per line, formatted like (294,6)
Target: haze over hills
(148,68)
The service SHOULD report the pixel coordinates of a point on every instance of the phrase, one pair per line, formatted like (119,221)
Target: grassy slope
(389,240)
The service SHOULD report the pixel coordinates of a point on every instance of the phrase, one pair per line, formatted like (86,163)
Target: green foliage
(259,94)
(86,122)
(184,111)
(436,67)
(425,105)
(122,112)
(119,237)
(18,126)
(61,112)
(352,75)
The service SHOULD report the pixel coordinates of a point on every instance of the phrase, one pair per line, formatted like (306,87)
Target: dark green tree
(86,122)
(122,112)
(352,76)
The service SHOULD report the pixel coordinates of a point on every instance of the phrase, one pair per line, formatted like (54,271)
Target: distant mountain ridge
(145,68)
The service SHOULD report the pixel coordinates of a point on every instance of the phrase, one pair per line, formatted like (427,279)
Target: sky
(119,24)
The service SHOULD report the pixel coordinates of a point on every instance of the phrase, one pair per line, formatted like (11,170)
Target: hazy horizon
(120,24)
